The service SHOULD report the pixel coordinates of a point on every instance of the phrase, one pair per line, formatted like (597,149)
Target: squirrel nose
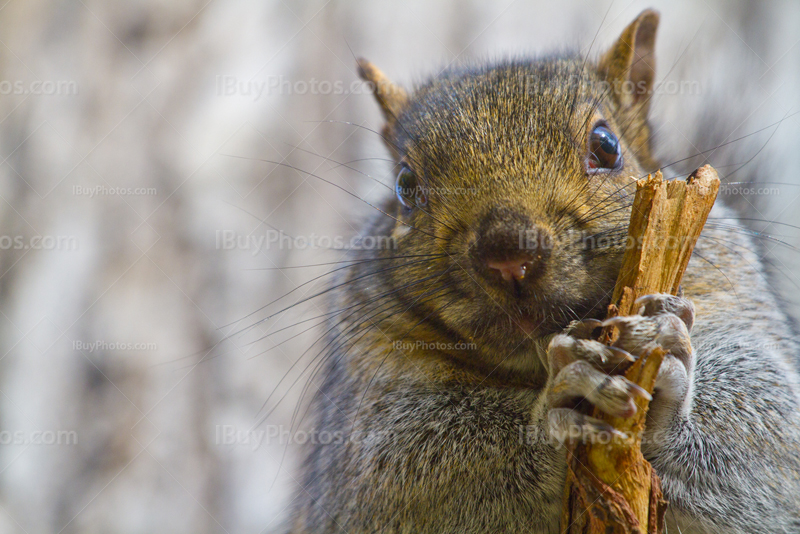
(511,269)
(520,268)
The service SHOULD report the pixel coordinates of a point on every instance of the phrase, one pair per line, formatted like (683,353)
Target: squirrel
(456,361)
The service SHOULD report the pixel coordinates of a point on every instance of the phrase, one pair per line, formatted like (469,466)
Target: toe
(662,303)
(564,350)
(614,395)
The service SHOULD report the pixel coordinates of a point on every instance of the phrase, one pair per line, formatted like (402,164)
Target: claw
(639,391)
(608,359)
(641,303)
(623,355)
(644,300)
(614,321)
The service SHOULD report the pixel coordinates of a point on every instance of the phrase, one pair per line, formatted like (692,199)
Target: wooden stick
(611,488)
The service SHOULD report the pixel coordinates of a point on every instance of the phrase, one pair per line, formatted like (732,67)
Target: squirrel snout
(511,248)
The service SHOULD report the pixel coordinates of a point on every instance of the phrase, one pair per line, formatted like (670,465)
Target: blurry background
(136,211)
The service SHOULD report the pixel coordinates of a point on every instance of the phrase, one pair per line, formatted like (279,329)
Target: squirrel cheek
(400,230)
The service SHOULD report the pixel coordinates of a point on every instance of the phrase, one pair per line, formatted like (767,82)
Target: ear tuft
(630,65)
(391,97)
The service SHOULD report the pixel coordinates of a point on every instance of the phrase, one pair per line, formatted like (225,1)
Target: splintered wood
(611,488)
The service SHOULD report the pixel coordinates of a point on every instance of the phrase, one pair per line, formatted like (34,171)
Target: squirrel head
(517,178)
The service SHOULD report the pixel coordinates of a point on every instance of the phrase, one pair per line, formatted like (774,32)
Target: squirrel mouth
(530,322)
(532,319)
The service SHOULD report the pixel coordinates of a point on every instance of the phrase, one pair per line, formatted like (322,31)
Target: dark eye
(604,151)
(409,191)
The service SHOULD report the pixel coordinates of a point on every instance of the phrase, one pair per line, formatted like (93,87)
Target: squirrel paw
(580,366)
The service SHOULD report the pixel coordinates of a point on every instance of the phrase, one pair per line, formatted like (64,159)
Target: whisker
(743,165)
(350,340)
(376,181)
(756,235)
(728,142)
(351,263)
(725,243)
(766,221)
(336,312)
(354,324)
(323,292)
(295,168)
(383,361)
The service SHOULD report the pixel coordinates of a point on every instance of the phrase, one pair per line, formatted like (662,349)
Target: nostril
(510,247)
(511,269)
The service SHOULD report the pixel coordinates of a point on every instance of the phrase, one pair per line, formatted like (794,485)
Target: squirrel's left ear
(391,97)
(630,65)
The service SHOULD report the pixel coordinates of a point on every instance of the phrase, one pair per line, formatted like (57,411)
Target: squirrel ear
(630,65)
(391,97)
